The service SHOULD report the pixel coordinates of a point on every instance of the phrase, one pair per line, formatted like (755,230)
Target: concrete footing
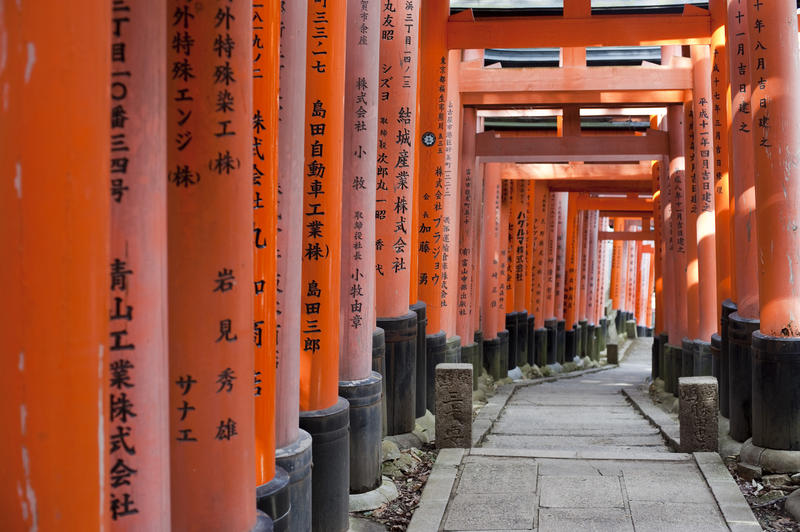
(364,397)
(420,397)
(274,499)
(401,371)
(295,459)
(436,347)
(330,485)
(370,500)
(769,460)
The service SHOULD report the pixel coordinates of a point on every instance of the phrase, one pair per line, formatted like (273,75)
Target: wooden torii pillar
(490,272)
(293,451)
(210,193)
(56,271)
(740,316)
(775,74)
(323,414)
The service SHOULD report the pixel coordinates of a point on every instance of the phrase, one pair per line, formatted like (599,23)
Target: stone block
(698,414)
(612,353)
(630,328)
(453,405)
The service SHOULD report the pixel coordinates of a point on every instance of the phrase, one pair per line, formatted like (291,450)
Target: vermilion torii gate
(230,198)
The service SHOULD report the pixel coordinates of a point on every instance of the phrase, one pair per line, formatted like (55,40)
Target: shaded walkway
(574,455)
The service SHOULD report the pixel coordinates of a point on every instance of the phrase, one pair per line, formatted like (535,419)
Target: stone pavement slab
(505,511)
(596,520)
(676,517)
(581,492)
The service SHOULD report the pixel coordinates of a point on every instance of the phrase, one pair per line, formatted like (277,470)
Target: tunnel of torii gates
(240,235)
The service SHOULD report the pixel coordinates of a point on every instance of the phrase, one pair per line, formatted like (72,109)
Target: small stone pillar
(630,328)
(612,354)
(698,414)
(453,405)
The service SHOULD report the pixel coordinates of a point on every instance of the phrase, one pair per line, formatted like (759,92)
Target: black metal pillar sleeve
(728,308)
(776,395)
(569,345)
(479,342)
(561,339)
(420,397)
(687,358)
(669,368)
(504,339)
(603,333)
(512,319)
(295,459)
(591,338)
(541,346)
(330,483)
(436,346)
(654,358)
(493,361)
(716,341)
(578,340)
(702,358)
(401,371)
(551,325)
(531,340)
(522,339)
(740,375)
(274,499)
(470,355)
(619,319)
(584,343)
(364,397)
(379,365)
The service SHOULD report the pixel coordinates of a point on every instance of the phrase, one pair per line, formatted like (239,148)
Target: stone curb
(430,512)
(489,412)
(668,428)
(737,513)
(580,455)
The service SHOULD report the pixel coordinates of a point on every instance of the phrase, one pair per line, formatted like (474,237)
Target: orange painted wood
(570,271)
(360,151)
(583,249)
(322,195)
(721,129)
(539,256)
(266,68)
(210,193)
(492,148)
(433,194)
(452,205)
(708,307)
(291,169)
(470,212)
(677,254)
(627,235)
(692,209)
(506,223)
(592,267)
(616,270)
(54,133)
(640,290)
(490,261)
(505,298)
(561,251)
(518,243)
(395,199)
(543,31)
(776,135)
(551,236)
(530,267)
(648,316)
(616,204)
(584,97)
(479,245)
(742,170)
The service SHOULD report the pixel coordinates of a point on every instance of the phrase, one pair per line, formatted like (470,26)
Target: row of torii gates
(193,274)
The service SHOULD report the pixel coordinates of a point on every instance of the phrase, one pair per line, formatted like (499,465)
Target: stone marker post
(453,405)
(698,414)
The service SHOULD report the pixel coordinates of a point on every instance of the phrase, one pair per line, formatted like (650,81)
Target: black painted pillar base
(504,340)
(379,365)
(452,350)
(569,345)
(401,372)
(551,325)
(364,397)
(531,340)
(541,346)
(776,395)
(436,346)
(674,358)
(420,397)
(471,355)
(295,459)
(561,339)
(330,484)
(522,339)
(512,322)
(655,359)
(728,308)
(641,331)
(619,319)
(666,367)
(715,346)
(702,358)
(583,344)
(275,499)
(591,335)
(603,333)
(493,360)
(740,375)
(478,337)
(687,358)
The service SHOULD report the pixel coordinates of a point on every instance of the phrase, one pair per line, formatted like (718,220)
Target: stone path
(574,455)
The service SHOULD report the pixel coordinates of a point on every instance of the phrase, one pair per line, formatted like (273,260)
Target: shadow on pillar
(728,308)
(776,396)
(274,499)
(401,371)
(561,339)
(366,428)
(295,459)
(421,397)
(379,365)
(436,351)
(512,325)
(330,483)
(740,375)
